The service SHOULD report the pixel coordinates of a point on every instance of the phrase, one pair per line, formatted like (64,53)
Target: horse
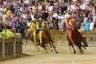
(46,40)
(78,39)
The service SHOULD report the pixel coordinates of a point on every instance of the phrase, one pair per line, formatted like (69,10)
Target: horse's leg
(71,44)
(49,47)
(73,49)
(80,48)
(83,47)
(54,47)
(85,42)
(45,49)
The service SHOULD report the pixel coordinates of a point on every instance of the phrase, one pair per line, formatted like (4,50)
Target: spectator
(8,33)
(50,11)
(60,25)
(82,28)
(91,24)
(8,13)
(81,18)
(85,19)
(87,26)
(94,17)
(55,24)
(50,24)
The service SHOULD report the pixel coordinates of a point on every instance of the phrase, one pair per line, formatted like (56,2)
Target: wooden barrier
(10,48)
(61,36)
(91,38)
(58,35)
(18,46)
(1,52)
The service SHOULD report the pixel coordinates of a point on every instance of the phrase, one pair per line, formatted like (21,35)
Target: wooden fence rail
(61,36)
(10,48)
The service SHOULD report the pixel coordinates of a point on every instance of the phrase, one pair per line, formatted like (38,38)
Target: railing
(10,48)
(61,36)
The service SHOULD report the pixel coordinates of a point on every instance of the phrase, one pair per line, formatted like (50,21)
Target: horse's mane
(75,33)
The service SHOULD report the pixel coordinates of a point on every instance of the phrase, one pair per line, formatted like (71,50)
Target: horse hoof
(74,52)
(82,51)
(57,53)
(84,48)
(51,49)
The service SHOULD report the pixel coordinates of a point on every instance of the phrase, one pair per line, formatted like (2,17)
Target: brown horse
(47,40)
(78,39)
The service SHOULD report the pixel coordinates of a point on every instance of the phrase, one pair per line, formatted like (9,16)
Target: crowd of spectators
(18,15)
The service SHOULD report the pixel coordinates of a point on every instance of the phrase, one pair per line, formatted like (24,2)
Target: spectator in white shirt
(83,6)
(61,17)
(85,20)
(66,16)
(55,15)
(60,24)
(33,8)
(24,16)
(91,24)
(26,1)
(87,1)
(73,7)
(4,17)
(94,18)
(50,8)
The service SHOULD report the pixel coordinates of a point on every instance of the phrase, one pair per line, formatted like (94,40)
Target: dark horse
(78,39)
(47,40)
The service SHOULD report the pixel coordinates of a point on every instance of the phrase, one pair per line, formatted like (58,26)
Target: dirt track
(38,56)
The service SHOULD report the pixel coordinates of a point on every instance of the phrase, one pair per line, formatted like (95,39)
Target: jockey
(8,13)
(40,27)
(69,27)
(70,21)
(33,29)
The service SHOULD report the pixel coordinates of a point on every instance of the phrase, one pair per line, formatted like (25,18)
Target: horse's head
(85,42)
